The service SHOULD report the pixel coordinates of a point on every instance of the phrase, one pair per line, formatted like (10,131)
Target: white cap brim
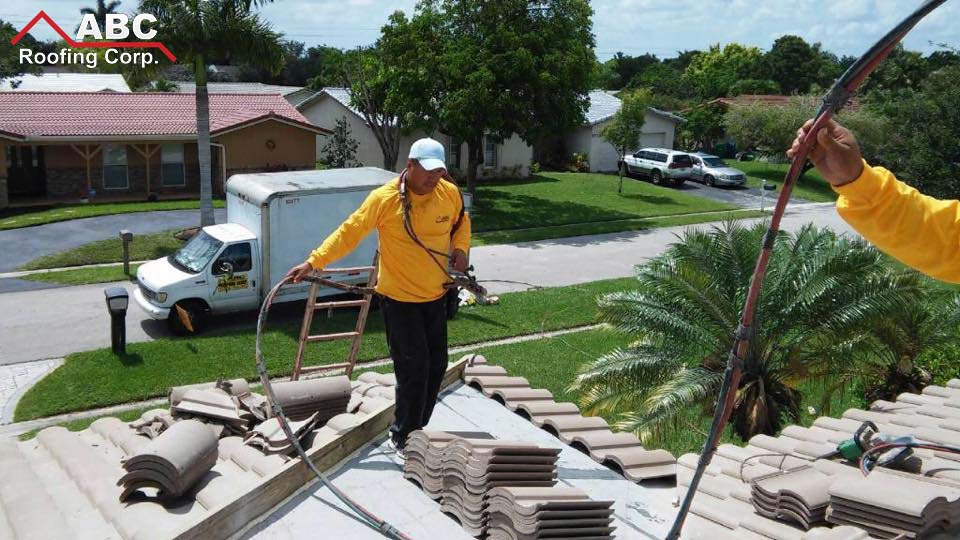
(431,164)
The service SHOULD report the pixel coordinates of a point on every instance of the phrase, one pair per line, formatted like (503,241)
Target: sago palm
(819,293)
(904,337)
(200,30)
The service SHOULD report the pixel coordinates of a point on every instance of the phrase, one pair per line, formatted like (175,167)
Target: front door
(26,171)
(233,278)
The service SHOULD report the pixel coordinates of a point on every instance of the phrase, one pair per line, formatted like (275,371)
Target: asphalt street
(55,322)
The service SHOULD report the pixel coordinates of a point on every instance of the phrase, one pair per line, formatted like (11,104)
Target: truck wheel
(656,177)
(188,317)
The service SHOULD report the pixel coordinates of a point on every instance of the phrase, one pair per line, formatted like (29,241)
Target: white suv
(662,166)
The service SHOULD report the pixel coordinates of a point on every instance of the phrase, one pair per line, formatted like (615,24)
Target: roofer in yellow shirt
(412,275)
(918,230)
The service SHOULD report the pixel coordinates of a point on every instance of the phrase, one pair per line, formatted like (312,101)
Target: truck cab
(216,272)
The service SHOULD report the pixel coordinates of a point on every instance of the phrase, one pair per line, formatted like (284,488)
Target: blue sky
(661,27)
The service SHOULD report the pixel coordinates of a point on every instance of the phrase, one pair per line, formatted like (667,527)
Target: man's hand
(299,272)
(459,261)
(836,153)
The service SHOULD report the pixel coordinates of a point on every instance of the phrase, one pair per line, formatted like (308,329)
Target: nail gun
(466,280)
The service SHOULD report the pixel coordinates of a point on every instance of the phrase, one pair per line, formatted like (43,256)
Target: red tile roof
(31,115)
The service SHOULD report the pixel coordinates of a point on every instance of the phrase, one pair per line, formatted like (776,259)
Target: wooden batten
(147,153)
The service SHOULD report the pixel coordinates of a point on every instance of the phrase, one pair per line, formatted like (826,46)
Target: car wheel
(188,317)
(656,177)
(709,181)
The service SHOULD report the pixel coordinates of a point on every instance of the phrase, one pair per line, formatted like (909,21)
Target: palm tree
(163,85)
(819,294)
(198,30)
(100,12)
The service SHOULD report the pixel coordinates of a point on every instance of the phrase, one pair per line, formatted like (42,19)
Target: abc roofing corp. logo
(116,28)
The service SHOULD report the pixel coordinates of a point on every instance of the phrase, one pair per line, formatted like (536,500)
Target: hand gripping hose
(834,100)
(381,526)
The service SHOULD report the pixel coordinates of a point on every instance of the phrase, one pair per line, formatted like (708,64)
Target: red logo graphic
(93,44)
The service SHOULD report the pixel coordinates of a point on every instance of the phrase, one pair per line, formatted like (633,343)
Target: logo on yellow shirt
(443,219)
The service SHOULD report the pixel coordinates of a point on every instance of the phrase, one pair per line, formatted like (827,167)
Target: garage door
(653,140)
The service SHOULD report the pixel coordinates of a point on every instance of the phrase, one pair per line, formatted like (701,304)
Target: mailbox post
(125,238)
(117,300)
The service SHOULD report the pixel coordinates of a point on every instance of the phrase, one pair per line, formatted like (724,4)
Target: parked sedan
(712,171)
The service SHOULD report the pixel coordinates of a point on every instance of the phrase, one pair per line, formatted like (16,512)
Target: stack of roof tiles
(530,513)
(459,471)
(887,504)
(591,435)
(62,485)
(800,496)
(173,462)
(325,398)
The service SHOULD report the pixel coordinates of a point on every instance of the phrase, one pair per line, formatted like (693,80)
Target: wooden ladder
(356,335)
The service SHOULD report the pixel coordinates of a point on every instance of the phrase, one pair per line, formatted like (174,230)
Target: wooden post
(146,153)
(87,155)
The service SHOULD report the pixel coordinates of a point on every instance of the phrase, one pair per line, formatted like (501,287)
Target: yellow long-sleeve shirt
(918,230)
(406,272)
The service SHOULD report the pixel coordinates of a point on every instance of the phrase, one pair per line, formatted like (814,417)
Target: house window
(172,172)
(115,168)
(489,152)
(453,156)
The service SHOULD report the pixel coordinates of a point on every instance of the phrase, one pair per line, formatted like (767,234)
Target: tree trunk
(474,151)
(203,143)
(620,167)
(391,149)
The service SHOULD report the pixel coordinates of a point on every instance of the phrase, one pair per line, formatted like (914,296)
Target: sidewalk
(16,379)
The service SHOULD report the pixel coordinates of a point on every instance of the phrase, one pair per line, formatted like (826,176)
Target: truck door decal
(232,283)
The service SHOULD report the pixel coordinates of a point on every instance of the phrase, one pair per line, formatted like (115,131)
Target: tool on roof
(381,526)
(833,101)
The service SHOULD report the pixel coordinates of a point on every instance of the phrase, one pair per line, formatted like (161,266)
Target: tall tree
(101,10)
(792,63)
(196,30)
(711,73)
(364,74)
(475,69)
(10,66)
(623,132)
(341,150)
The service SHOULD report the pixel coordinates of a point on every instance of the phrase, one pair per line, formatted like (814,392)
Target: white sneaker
(398,451)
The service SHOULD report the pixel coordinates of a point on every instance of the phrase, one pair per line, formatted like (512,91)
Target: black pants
(417,337)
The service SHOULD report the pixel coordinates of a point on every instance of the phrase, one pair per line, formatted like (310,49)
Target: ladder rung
(311,369)
(340,304)
(331,337)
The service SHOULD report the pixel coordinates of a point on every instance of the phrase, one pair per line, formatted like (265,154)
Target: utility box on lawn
(274,220)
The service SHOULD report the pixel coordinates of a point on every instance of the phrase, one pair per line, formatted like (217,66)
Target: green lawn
(99,378)
(553,364)
(603,227)
(557,198)
(17,218)
(811,186)
(144,247)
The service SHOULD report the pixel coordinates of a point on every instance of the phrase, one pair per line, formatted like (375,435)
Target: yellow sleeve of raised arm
(918,230)
(461,238)
(350,233)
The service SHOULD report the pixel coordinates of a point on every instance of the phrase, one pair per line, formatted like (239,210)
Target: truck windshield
(198,252)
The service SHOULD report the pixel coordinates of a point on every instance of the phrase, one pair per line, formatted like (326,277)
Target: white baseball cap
(429,153)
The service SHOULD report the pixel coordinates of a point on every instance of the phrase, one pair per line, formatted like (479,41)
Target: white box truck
(273,222)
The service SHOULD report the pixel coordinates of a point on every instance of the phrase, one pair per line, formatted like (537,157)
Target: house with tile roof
(65,82)
(294,94)
(64,146)
(659,128)
(512,157)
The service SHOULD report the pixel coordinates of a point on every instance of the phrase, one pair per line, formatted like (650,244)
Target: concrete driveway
(744,197)
(56,322)
(20,246)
